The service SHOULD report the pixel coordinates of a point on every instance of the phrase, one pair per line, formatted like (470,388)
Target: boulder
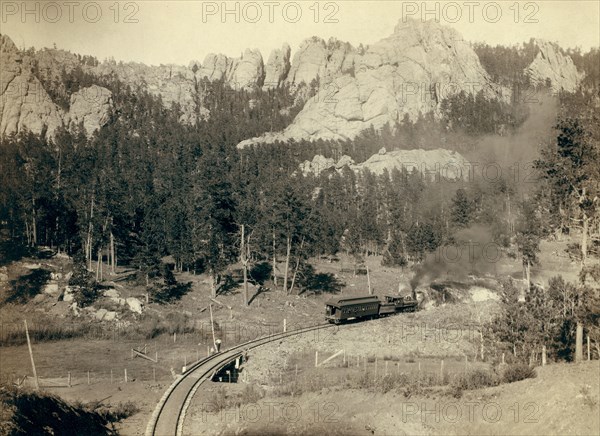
(111,293)
(68,295)
(39,298)
(317,166)
(51,289)
(100,313)
(32,265)
(134,304)
(344,161)
(110,316)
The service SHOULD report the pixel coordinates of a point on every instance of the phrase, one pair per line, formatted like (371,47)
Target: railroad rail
(169,415)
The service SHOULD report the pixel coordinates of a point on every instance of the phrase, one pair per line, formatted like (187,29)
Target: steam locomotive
(339,310)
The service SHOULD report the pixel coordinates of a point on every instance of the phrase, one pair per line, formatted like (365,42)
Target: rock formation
(410,72)
(24,103)
(551,65)
(173,83)
(318,60)
(435,164)
(277,68)
(90,106)
(246,72)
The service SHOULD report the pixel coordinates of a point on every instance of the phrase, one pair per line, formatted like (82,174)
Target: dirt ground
(564,399)
(447,332)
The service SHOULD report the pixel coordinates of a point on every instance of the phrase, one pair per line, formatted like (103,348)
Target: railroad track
(169,415)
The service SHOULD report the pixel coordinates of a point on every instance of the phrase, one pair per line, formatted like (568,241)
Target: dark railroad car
(341,309)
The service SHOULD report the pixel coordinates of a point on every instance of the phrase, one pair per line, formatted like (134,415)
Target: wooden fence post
(35,377)
(543,355)
(588,347)
(579,343)
(125,375)
(316,358)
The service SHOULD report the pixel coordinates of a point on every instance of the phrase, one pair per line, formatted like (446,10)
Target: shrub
(517,372)
(169,290)
(86,290)
(114,413)
(28,286)
(474,379)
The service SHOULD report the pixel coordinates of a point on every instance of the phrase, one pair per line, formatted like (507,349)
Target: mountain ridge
(408,73)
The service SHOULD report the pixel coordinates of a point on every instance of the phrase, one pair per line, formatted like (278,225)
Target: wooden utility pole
(369,281)
(212,327)
(37,385)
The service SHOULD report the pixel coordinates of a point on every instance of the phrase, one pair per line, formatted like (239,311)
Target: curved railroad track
(169,415)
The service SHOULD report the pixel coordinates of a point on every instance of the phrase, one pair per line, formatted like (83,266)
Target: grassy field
(181,332)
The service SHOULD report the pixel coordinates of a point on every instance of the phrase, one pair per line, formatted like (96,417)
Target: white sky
(181,31)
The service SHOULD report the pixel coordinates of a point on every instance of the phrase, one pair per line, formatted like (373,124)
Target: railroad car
(338,310)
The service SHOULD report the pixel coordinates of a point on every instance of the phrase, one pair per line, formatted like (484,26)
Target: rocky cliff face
(410,72)
(91,106)
(434,164)
(551,65)
(24,104)
(246,72)
(318,60)
(173,83)
(277,68)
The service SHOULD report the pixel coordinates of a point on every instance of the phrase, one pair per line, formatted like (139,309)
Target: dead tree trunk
(113,262)
(244,259)
(33,225)
(274,262)
(89,235)
(297,266)
(287,263)
(213,283)
(528,275)
(584,238)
